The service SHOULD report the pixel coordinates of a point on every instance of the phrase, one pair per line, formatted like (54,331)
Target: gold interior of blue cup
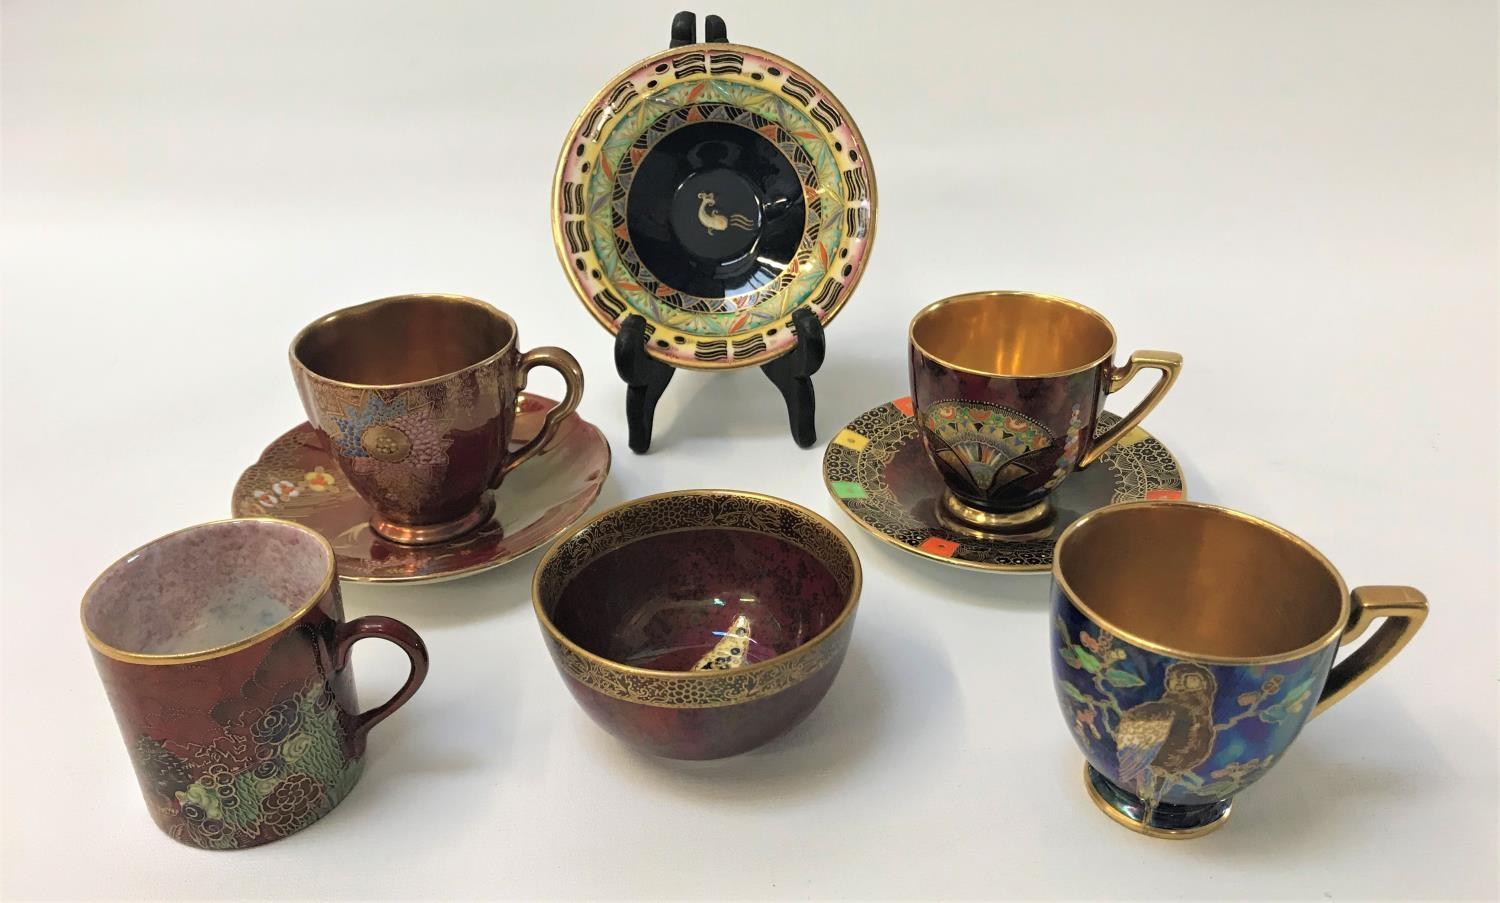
(1201,582)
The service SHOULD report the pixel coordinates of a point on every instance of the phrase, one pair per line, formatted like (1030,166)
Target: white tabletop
(1300,198)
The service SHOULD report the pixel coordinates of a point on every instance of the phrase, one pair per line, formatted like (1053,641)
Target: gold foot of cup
(1163,820)
(981,524)
(427,534)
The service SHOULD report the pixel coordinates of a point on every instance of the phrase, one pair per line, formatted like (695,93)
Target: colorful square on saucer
(851,440)
(904,405)
(1171,494)
(847,490)
(936,545)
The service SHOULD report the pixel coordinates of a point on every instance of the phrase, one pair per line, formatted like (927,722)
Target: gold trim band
(688,509)
(1141,827)
(688,689)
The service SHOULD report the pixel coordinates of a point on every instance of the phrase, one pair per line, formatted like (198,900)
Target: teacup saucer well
(879,473)
(297,479)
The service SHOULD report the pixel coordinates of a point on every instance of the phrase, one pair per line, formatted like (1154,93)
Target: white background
(1301,198)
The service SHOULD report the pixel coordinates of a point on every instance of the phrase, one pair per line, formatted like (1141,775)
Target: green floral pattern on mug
(289,771)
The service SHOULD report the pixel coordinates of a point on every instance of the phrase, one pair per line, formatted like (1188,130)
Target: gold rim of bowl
(843,617)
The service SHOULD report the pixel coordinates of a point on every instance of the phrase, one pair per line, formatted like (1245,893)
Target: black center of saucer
(715,210)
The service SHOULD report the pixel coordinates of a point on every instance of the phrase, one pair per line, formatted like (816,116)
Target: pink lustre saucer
(296,479)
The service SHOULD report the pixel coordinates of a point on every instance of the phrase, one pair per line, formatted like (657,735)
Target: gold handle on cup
(1404,609)
(572,374)
(1170,365)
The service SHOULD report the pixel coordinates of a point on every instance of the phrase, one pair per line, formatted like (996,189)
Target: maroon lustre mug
(224,651)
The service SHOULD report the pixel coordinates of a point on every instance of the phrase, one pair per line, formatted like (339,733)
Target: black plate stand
(646,377)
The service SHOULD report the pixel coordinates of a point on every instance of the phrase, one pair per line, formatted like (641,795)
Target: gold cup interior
(403,339)
(1199,581)
(1012,334)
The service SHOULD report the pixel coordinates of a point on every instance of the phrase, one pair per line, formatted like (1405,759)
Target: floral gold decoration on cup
(415,396)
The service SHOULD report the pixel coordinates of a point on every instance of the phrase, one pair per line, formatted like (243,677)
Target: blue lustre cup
(1191,643)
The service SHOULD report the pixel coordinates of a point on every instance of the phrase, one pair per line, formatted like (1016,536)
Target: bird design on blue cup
(1169,736)
(1177,733)
(1190,644)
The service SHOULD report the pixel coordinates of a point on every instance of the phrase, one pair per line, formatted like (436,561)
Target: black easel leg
(792,374)
(684,29)
(645,378)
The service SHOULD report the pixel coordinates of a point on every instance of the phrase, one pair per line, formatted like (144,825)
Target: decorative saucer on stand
(713,190)
(714,208)
(879,472)
(296,479)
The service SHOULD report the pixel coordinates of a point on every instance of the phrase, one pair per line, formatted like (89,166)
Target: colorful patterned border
(854,469)
(839,187)
(726,102)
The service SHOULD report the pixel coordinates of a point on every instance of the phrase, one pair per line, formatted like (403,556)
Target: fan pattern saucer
(878,471)
(297,479)
(713,190)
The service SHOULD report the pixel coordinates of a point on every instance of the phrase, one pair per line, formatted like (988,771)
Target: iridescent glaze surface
(699,624)
(1191,643)
(224,650)
(1000,443)
(414,396)
(1174,732)
(297,479)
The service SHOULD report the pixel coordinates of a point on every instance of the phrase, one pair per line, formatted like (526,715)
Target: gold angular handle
(1170,365)
(572,374)
(1404,609)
